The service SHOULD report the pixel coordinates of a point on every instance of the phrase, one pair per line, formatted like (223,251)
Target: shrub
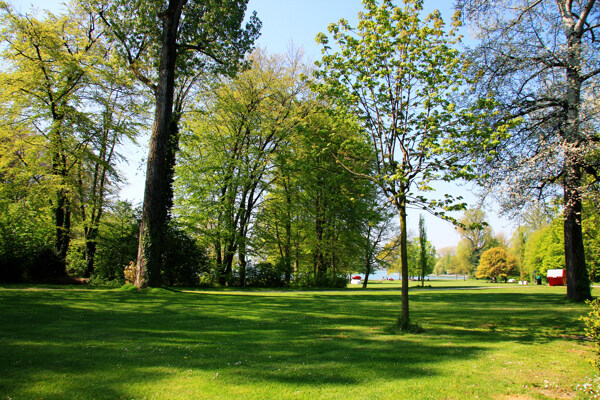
(117,241)
(129,273)
(308,280)
(183,259)
(592,329)
(496,263)
(265,274)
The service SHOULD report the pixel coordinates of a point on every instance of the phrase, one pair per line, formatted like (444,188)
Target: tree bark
(154,210)
(90,252)
(242,260)
(287,248)
(319,261)
(62,203)
(578,284)
(367,271)
(404,320)
(62,216)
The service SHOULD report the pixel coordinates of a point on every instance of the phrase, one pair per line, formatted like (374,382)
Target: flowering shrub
(129,272)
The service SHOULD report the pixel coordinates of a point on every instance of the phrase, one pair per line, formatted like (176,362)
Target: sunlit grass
(513,342)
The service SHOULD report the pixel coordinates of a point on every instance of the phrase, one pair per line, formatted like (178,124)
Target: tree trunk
(90,251)
(319,261)
(578,284)
(154,210)
(242,261)
(404,320)
(287,248)
(62,216)
(219,258)
(367,271)
(62,204)
(227,269)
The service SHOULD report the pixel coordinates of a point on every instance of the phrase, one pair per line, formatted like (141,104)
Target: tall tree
(476,231)
(228,154)
(397,72)
(161,41)
(50,62)
(539,60)
(446,261)
(319,220)
(116,116)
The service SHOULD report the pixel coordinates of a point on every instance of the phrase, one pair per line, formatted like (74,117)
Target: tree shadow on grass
(100,343)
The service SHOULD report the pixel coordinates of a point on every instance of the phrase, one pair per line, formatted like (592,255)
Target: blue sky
(299,21)
(296,23)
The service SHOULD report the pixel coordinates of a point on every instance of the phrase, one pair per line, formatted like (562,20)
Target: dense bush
(592,329)
(265,274)
(117,242)
(40,265)
(308,280)
(26,243)
(183,259)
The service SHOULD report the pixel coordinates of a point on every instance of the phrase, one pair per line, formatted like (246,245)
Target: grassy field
(89,343)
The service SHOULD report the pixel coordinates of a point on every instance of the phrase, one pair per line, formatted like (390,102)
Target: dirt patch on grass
(548,393)
(557,394)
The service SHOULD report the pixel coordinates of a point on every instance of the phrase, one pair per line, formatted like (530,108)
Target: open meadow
(509,342)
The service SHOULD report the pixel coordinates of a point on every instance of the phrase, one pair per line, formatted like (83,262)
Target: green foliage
(591,240)
(477,234)
(258,175)
(26,235)
(544,249)
(539,60)
(426,251)
(496,263)
(464,259)
(398,71)
(390,255)
(227,155)
(66,108)
(117,241)
(168,47)
(75,260)
(212,35)
(592,329)
(183,260)
(446,261)
(266,275)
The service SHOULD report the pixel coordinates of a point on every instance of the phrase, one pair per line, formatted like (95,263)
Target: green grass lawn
(377,284)
(85,343)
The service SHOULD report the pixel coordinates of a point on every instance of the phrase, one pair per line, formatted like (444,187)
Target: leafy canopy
(399,73)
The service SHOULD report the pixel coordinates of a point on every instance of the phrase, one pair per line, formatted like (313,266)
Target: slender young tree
(423,256)
(397,71)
